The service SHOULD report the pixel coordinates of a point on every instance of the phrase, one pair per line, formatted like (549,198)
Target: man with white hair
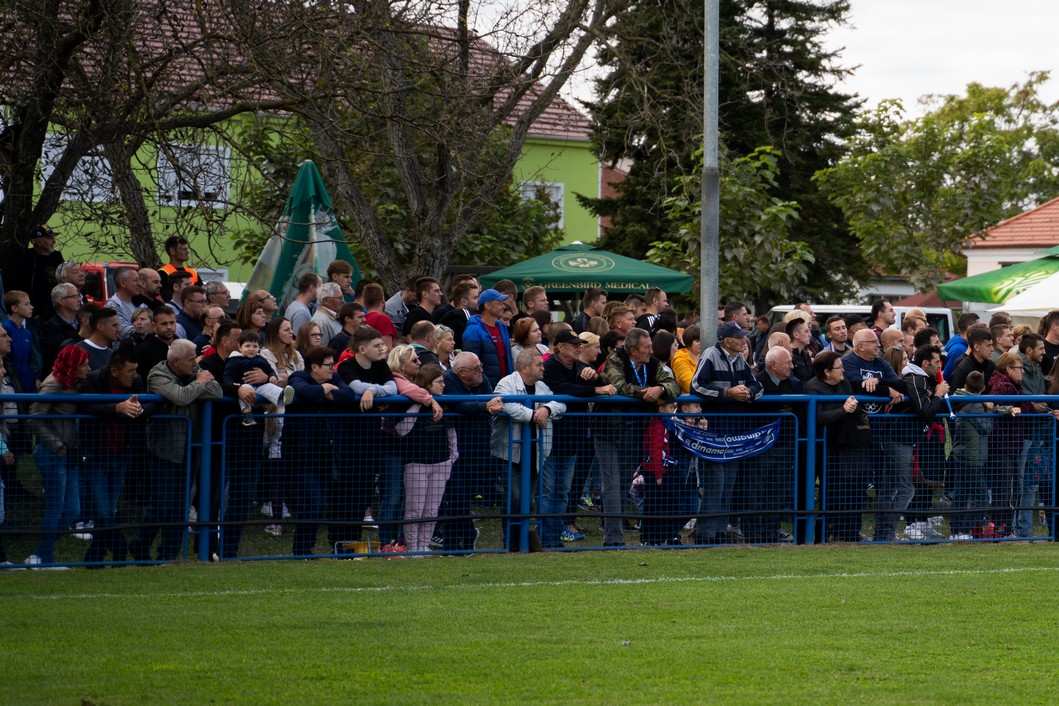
(182,385)
(329,297)
(527,422)
(476,470)
(764,486)
(65,301)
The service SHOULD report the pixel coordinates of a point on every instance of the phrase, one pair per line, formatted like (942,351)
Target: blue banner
(723,448)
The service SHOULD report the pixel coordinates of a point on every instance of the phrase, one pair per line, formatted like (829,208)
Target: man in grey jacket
(183,385)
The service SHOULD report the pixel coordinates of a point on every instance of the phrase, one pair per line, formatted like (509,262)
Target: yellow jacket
(683,365)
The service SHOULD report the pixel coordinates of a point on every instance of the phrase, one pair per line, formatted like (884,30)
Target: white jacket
(515,414)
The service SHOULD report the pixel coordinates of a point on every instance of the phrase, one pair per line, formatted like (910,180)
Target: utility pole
(711,179)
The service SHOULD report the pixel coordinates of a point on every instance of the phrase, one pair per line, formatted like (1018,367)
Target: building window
(193,175)
(91,180)
(544,191)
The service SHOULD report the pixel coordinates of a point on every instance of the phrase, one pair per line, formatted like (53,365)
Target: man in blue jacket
(488,338)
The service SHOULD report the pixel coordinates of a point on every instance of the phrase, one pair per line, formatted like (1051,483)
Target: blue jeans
(62,498)
(895,491)
(1027,481)
(556,477)
(391,497)
(105,479)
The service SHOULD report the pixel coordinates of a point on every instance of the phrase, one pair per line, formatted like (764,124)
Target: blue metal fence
(399,481)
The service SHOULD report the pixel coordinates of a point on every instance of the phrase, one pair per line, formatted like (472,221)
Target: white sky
(909,48)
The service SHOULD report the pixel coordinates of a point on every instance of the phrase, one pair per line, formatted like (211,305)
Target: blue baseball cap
(491,295)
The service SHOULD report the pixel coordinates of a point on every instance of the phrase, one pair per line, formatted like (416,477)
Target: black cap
(567,336)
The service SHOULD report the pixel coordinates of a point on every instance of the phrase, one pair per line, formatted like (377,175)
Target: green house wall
(568,162)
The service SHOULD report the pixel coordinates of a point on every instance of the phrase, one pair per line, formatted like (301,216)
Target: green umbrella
(1000,285)
(306,239)
(576,267)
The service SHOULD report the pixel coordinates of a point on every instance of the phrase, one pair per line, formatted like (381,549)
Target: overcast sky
(908,48)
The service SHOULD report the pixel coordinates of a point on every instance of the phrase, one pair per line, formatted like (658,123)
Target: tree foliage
(776,90)
(914,190)
(109,77)
(509,229)
(757,251)
(416,120)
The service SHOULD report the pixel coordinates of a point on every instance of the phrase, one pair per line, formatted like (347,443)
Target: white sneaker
(193,515)
(690,527)
(288,395)
(916,530)
(82,532)
(266,509)
(286,512)
(962,537)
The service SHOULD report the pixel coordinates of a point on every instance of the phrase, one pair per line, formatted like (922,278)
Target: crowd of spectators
(339,348)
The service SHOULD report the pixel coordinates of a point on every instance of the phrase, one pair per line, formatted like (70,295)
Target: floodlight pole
(709,244)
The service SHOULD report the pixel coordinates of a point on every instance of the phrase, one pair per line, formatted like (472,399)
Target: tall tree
(776,90)
(412,90)
(915,189)
(87,84)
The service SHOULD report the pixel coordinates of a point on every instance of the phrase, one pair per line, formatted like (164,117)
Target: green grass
(873,624)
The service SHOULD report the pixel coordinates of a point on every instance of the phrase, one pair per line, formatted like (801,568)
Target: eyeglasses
(475,369)
(1016,367)
(256,301)
(836,367)
(316,335)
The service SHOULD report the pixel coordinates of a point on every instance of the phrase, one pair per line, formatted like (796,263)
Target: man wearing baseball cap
(726,384)
(34,272)
(488,338)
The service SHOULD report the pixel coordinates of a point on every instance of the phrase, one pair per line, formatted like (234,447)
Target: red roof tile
(1037,228)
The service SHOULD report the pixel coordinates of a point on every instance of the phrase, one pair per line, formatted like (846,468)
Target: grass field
(841,624)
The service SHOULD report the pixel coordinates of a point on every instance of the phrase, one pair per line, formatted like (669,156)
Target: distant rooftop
(1037,228)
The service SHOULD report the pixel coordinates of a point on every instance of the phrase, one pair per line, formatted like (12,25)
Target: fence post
(525,463)
(206,455)
(810,472)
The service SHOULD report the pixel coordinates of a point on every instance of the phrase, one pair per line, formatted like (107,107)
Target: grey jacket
(56,432)
(167,437)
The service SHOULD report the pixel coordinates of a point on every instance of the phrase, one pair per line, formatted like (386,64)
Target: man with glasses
(192,303)
(476,470)
(66,301)
(217,293)
(329,295)
(268,302)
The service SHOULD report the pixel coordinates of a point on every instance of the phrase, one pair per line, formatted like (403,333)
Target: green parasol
(1000,285)
(306,239)
(576,267)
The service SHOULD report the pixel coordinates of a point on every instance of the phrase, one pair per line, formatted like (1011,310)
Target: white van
(939,318)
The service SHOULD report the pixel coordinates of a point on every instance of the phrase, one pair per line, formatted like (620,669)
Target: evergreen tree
(776,90)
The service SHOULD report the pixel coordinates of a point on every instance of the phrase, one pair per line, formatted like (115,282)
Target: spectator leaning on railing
(618,437)
(58,448)
(726,384)
(319,394)
(183,385)
(532,418)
